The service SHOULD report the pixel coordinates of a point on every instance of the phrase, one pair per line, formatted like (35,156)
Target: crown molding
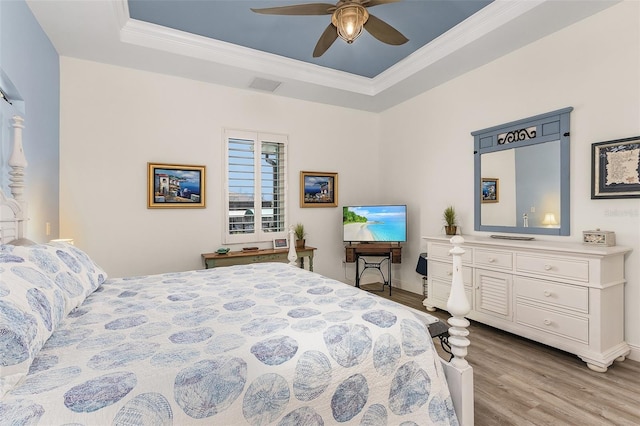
(181,43)
(178,42)
(483,22)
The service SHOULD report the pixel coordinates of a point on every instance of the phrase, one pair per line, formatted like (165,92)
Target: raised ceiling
(223,42)
(421,21)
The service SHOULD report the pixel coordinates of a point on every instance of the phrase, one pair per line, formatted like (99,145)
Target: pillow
(31,306)
(71,270)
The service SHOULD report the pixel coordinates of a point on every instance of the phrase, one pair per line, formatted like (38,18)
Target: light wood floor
(520,382)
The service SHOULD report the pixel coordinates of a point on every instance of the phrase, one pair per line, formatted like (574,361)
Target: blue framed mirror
(521,174)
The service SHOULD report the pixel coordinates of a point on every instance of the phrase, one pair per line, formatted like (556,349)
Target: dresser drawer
(444,271)
(441,290)
(494,259)
(553,322)
(553,267)
(441,251)
(556,294)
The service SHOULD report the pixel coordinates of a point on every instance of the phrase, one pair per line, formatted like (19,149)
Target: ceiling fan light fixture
(349,20)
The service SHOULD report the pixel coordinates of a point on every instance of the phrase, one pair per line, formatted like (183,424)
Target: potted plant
(450,220)
(300,233)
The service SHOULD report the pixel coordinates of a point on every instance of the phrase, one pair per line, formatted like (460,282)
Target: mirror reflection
(521,176)
(521,186)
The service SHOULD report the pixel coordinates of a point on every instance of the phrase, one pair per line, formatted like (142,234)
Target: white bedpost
(292,256)
(17,161)
(458,306)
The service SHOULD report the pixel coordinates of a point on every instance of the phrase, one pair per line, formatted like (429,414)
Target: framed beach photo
(615,168)
(318,189)
(175,186)
(490,190)
(280,243)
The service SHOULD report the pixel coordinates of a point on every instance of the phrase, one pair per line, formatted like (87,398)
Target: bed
(268,343)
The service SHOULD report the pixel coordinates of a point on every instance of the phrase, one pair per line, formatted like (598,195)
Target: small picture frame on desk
(280,243)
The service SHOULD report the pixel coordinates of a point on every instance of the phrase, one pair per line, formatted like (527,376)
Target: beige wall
(114,120)
(593,66)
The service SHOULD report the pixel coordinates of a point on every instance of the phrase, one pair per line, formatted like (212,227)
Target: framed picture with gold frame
(490,190)
(175,186)
(318,189)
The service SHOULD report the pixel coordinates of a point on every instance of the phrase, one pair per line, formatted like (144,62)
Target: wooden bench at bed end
(458,371)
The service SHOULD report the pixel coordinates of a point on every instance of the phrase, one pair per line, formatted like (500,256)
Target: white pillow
(31,306)
(71,269)
(39,286)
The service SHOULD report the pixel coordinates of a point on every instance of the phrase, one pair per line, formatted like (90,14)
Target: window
(255,186)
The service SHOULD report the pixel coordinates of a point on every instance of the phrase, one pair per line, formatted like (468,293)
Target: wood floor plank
(519,382)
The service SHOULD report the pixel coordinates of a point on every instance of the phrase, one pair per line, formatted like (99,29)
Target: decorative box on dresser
(566,295)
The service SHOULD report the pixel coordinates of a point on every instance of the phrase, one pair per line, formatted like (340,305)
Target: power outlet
(533,209)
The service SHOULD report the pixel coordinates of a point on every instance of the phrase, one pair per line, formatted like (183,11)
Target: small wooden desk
(213,260)
(391,253)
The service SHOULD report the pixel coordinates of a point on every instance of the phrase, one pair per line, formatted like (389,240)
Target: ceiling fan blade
(384,32)
(372,3)
(327,38)
(299,9)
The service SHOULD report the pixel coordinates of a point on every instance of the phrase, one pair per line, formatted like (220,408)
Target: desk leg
(311,262)
(301,262)
(389,274)
(357,271)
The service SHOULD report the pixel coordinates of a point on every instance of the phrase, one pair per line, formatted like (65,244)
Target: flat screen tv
(374,223)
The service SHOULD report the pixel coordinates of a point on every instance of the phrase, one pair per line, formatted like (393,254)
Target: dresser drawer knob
(547,322)
(547,293)
(547,267)
(491,260)
(449,273)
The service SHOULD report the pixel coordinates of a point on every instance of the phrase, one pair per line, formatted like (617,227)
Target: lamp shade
(63,240)
(349,20)
(549,219)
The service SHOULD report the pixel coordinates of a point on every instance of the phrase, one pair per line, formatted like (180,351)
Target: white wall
(115,120)
(592,66)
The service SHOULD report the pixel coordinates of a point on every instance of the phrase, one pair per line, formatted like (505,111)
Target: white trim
(257,138)
(490,18)
(634,354)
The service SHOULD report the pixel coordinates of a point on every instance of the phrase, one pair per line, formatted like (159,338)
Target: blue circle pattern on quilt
(153,353)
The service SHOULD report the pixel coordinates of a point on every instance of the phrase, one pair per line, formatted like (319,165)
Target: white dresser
(566,295)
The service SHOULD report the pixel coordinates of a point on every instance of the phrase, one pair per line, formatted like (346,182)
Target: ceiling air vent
(264,84)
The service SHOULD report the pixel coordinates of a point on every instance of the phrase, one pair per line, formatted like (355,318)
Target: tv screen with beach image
(375,223)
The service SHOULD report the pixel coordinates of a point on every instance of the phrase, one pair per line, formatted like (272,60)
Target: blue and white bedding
(259,344)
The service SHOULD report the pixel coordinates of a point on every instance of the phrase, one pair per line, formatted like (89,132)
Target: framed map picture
(615,168)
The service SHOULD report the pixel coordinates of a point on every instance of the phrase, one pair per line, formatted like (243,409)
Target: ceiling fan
(348,18)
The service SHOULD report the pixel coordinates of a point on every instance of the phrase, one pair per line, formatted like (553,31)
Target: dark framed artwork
(175,186)
(615,168)
(318,189)
(490,192)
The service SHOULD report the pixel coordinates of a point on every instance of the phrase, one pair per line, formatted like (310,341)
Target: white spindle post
(17,161)
(292,256)
(458,306)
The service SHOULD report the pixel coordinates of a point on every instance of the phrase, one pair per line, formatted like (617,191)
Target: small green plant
(449,216)
(299,232)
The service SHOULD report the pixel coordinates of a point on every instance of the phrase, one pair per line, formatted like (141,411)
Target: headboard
(13,211)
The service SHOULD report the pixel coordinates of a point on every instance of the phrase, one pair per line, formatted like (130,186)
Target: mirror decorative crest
(522,175)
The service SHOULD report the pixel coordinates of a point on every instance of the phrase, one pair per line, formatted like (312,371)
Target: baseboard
(635,353)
